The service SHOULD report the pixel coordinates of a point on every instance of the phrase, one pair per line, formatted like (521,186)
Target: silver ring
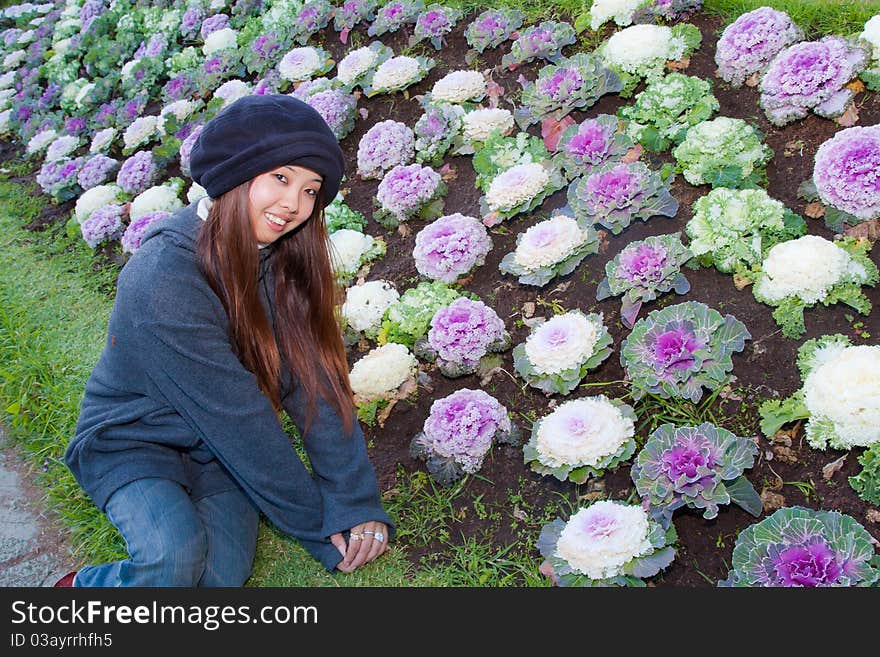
(378,536)
(368,533)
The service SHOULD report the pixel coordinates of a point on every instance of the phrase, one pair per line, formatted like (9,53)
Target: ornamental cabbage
(461,334)
(458,87)
(304,63)
(396,74)
(436,131)
(589,144)
(746,46)
(811,76)
(407,191)
(550,248)
(500,153)
(520,188)
(492,28)
(479,124)
(353,69)
(393,15)
(733,229)
(846,174)
(582,438)
(458,433)
(435,22)
(558,353)
(667,108)
(840,397)
(339,215)
(365,305)
(608,543)
(409,318)
(800,547)
(384,146)
(450,247)
(350,250)
(544,41)
(698,467)
(723,152)
(616,193)
(620,11)
(572,83)
(642,271)
(800,273)
(380,373)
(681,349)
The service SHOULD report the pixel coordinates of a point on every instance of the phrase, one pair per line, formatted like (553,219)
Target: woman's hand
(366,542)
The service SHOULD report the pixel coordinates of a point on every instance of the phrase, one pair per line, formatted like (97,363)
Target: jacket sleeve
(187,355)
(340,464)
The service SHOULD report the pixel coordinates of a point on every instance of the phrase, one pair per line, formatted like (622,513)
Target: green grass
(816,18)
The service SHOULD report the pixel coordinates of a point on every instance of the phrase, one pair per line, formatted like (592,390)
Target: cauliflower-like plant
(500,153)
(407,191)
(519,189)
(492,28)
(384,146)
(351,249)
(450,247)
(379,376)
(409,318)
(543,41)
(589,144)
(396,74)
(365,305)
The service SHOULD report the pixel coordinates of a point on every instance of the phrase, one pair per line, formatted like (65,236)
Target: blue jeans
(173,541)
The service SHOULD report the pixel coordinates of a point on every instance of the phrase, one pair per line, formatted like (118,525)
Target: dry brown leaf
(603,240)
(849,118)
(792,147)
(633,154)
(403,230)
(464,280)
(785,436)
(753,79)
(528,309)
(856,86)
(382,415)
(519,514)
(872,515)
(679,65)
(869,230)
(491,219)
(448,172)
(829,470)
(771,500)
(815,210)
(594,495)
(785,454)
(741,282)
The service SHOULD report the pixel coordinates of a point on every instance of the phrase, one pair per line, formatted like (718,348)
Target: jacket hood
(182,227)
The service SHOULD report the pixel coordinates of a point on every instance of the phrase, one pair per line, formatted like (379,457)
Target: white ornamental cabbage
(566,235)
(160,197)
(478,124)
(355,64)
(220,40)
(516,185)
(871,34)
(366,304)
(40,141)
(396,72)
(103,139)
(301,63)
(348,250)
(181,109)
(806,268)
(844,390)
(196,193)
(379,374)
(582,432)
(5,116)
(61,147)
(459,86)
(561,343)
(141,131)
(599,540)
(94,198)
(642,49)
(621,11)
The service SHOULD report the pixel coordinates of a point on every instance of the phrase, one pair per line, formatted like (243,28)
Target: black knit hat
(255,134)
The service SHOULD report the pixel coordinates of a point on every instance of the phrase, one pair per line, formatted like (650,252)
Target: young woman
(223,319)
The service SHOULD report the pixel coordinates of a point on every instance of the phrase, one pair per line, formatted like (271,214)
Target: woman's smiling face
(282,199)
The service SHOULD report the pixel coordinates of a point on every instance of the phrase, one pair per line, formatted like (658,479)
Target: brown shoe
(65,581)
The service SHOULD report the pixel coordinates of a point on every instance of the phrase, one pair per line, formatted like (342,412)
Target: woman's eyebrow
(317,180)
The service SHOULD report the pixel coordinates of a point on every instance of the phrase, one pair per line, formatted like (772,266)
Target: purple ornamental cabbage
(679,350)
(811,76)
(436,132)
(395,14)
(616,193)
(747,45)
(460,335)
(186,147)
(384,146)
(407,191)
(137,173)
(700,467)
(263,52)
(450,247)
(459,432)
(434,23)
(352,12)
(212,24)
(313,17)
(847,172)
(642,271)
(182,86)
(191,21)
(76,126)
(492,28)
(589,144)
(134,233)
(544,41)
(337,108)
(58,179)
(800,547)
(103,225)
(572,83)
(95,171)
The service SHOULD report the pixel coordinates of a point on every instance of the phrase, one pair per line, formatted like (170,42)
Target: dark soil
(512,501)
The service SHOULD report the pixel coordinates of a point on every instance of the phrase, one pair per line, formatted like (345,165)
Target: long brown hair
(306,300)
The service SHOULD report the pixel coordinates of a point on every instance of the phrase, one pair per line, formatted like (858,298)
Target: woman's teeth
(278,221)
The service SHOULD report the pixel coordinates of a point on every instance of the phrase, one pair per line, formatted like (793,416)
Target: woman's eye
(312,192)
(280,178)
